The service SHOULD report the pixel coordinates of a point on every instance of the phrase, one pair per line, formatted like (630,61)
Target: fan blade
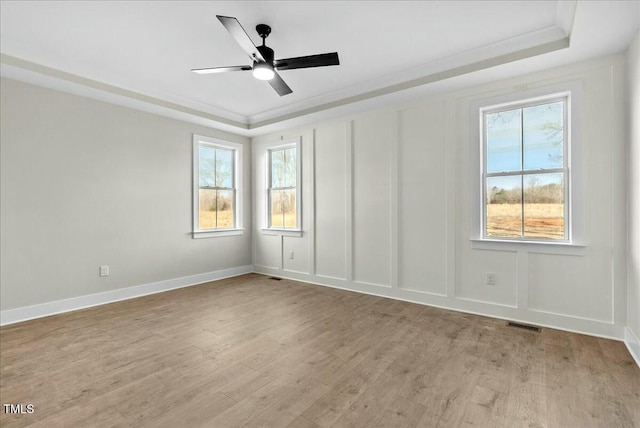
(212,70)
(279,85)
(320,60)
(237,32)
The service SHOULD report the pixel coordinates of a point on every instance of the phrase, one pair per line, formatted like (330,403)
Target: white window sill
(216,233)
(282,232)
(562,248)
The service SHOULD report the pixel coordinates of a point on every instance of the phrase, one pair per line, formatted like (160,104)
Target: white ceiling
(142,51)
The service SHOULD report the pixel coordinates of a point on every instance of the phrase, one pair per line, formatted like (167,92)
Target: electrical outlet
(291,255)
(104,270)
(491,278)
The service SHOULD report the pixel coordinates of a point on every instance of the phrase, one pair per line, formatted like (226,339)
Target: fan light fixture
(263,71)
(263,63)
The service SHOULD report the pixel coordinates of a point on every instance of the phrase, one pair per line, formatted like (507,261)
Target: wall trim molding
(582,326)
(25,313)
(633,344)
(487,309)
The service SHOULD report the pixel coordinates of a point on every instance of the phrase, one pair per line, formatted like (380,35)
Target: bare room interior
(320,214)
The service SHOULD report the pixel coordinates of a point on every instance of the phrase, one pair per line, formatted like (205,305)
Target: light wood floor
(251,351)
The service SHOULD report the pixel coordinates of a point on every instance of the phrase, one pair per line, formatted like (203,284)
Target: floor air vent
(274,278)
(524,326)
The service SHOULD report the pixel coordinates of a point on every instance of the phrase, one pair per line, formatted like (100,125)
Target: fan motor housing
(267,53)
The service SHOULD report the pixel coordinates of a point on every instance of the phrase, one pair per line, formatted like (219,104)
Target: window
(529,172)
(216,182)
(525,171)
(283,195)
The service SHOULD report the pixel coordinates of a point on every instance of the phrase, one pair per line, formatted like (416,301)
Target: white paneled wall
(422,236)
(331,191)
(372,200)
(388,211)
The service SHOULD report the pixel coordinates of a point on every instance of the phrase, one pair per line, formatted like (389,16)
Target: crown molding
(536,43)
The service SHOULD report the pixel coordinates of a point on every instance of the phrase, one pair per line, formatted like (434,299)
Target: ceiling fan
(264,66)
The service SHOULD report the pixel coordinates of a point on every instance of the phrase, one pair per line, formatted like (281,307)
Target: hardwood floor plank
(84,415)
(401,413)
(448,390)
(196,409)
(302,422)
(250,351)
(488,408)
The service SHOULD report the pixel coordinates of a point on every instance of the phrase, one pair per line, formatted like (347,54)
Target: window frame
(565,98)
(573,243)
(268,228)
(236,148)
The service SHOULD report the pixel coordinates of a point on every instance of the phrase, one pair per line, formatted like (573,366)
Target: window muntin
(282,193)
(525,171)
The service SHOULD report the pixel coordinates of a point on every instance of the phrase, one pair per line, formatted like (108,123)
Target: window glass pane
(504,207)
(543,136)
(224,168)
(277,169)
(224,209)
(503,141)
(290,167)
(544,206)
(289,208)
(206,160)
(216,209)
(207,209)
(276,201)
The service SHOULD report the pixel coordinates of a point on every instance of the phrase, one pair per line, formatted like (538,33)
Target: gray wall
(86,183)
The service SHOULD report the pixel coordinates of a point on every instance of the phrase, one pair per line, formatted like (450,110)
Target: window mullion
(216,208)
(284,225)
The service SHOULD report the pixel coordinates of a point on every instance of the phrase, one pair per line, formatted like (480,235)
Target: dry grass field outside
(288,222)
(541,220)
(208,219)
(225,220)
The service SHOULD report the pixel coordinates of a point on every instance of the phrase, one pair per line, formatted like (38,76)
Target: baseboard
(12,316)
(508,313)
(633,344)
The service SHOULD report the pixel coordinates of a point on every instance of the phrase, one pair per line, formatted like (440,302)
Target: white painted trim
(12,316)
(282,232)
(217,233)
(633,344)
(283,144)
(329,277)
(522,284)
(372,284)
(485,302)
(565,15)
(578,317)
(238,172)
(572,89)
(394,198)
(559,248)
(451,137)
(549,320)
(311,202)
(349,226)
